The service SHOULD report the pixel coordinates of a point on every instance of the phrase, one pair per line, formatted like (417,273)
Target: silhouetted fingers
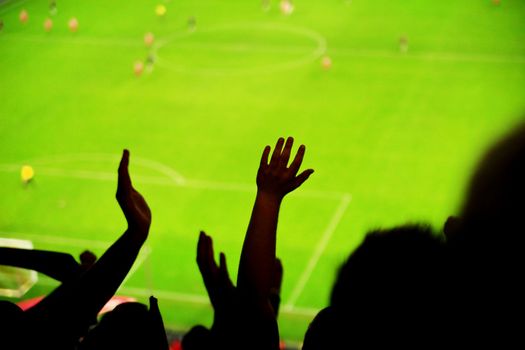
(285,156)
(274,161)
(201,250)
(87,258)
(153,302)
(298,160)
(124,180)
(209,253)
(301,178)
(264,158)
(223,270)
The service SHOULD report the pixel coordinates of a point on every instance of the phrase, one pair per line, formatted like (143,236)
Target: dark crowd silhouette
(409,286)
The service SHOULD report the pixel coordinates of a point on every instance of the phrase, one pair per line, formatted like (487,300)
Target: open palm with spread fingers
(276,177)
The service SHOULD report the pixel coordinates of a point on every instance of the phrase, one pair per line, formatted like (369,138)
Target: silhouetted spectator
(129,326)
(390,292)
(487,240)
(246,315)
(61,318)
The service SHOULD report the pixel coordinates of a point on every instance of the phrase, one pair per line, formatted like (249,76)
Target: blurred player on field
(266,5)
(1,25)
(149,39)
(192,24)
(27,173)
(24,16)
(286,7)
(138,68)
(326,62)
(403,44)
(73,25)
(160,10)
(150,62)
(48,24)
(52,7)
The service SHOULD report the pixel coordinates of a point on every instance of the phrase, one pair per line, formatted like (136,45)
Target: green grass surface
(392,136)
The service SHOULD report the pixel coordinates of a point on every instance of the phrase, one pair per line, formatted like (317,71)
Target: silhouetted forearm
(74,304)
(258,252)
(57,265)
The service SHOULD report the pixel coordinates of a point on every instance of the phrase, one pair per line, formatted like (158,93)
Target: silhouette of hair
(400,263)
(198,338)
(388,291)
(492,214)
(128,326)
(322,333)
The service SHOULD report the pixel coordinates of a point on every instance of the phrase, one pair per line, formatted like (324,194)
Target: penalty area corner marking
(321,246)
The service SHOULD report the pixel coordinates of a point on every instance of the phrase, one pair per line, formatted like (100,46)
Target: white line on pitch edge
(167,180)
(192,298)
(143,255)
(321,246)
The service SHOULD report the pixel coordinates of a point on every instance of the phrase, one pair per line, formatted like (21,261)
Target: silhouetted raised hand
(216,277)
(276,178)
(133,205)
(258,267)
(65,314)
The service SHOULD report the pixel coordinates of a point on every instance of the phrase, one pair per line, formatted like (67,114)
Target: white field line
(196,299)
(159,167)
(202,299)
(142,292)
(342,51)
(321,246)
(168,295)
(174,179)
(81,243)
(431,56)
(74,40)
(168,180)
(145,252)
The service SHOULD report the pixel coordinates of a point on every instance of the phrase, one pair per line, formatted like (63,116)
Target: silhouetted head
(493,214)
(323,332)
(198,338)
(391,286)
(128,326)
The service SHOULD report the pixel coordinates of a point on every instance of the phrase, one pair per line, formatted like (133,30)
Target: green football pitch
(392,135)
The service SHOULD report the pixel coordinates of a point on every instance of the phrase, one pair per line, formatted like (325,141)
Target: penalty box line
(192,298)
(316,256)
(163,294)
(435,56)
(167,180)
(344,200)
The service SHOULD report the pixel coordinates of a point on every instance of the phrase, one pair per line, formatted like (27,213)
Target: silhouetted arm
(160,341)
(275,290)
(57,265)
(73,304)
(274,180)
